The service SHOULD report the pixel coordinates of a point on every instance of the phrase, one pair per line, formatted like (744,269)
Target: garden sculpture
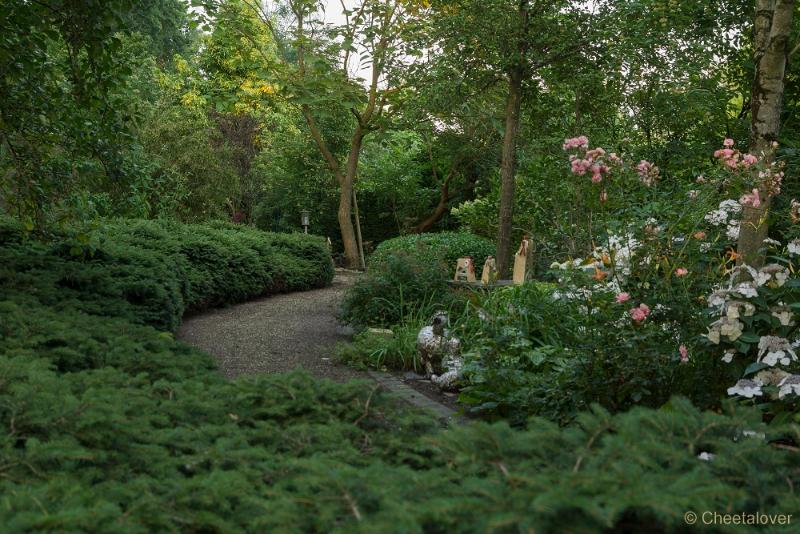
(520,261)
(440,352)
(465,270)
(489,274)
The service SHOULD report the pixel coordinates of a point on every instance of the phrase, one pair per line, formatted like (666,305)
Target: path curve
(276,334)
(281,333)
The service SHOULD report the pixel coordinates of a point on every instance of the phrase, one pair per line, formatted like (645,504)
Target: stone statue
(440,352)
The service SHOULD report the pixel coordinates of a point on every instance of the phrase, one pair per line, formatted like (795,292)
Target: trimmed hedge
(108,424)
(446,247)
(152,272)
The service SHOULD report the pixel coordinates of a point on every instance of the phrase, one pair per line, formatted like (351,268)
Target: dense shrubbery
(400,288)
(408,278)
(533,350)
(444,247)
(151,272)
(107,425)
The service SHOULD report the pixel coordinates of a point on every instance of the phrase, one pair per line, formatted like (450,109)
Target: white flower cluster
(732,305)
(790,384)
(746,388)
(618,254)
(773,349)
(726,215)
(786,383)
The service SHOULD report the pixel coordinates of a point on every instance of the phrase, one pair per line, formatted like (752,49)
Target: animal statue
(439,351)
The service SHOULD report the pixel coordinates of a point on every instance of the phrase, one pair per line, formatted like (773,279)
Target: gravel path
(276,334)
(281,333)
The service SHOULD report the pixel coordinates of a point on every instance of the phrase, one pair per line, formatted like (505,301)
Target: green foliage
(384,350)
(400,286)
(408,278)
(554,350)
(67,101)
(107,425)
(443,247)
(151,272)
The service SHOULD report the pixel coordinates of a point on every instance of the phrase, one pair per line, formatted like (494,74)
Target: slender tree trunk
(359,238)
(772,29)
(507,170)
(347,178)
(345,200)
(508,163)
(444,195)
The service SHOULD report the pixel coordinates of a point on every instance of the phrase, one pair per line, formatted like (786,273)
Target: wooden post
(465,270)
(521,260)
(358,232)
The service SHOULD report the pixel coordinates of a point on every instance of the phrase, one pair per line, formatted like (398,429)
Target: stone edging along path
(283,332)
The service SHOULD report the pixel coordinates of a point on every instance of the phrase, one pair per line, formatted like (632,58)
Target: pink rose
(749,159)
(680,271)
(684,353)
(623,297)
(751,199)
(639,313)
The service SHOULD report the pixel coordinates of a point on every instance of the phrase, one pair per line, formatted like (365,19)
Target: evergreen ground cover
(111,425)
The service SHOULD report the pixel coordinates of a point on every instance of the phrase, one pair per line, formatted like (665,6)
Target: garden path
(276,334)
(280,333)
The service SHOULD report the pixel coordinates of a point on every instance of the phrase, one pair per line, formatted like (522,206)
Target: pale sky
(334,15)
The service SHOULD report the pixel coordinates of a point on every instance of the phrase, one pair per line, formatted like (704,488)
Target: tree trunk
(508,163)
(444,197)
(772,28)
(434,217)
(346,180)
(346,201)
(507,169)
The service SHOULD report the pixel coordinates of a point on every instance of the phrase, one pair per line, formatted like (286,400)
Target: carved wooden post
(521,261)
(465,270)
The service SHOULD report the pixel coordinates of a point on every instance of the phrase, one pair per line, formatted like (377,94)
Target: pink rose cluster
(648,173)
(733,159)
(576,142)
(752,199)
(594,161)
(639,313)
(769,179)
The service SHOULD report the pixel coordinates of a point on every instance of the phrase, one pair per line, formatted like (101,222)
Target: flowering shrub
(553,351)
(603,167)
(747,172)
(627,322)
(756,332)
